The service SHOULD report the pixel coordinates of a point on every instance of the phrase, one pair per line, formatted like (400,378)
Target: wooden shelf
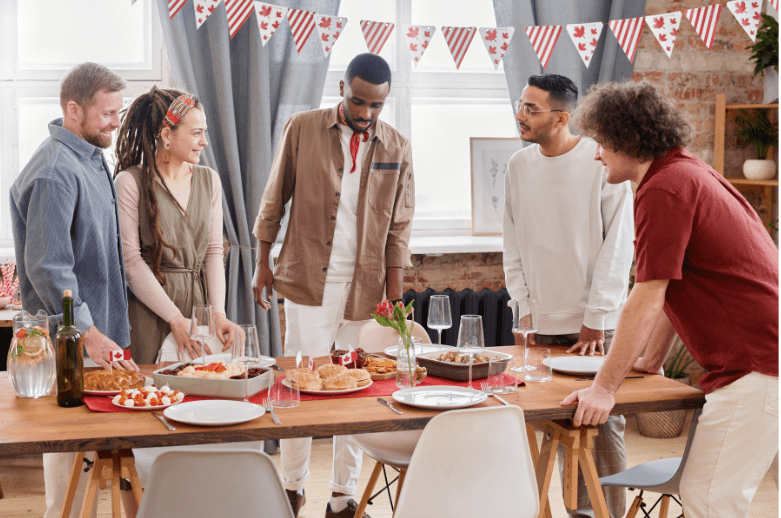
(750,106)
(746,181)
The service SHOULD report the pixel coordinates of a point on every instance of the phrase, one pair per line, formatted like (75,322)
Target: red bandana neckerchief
(355,139)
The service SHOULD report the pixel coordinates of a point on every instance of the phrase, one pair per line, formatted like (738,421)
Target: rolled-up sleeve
(397,252)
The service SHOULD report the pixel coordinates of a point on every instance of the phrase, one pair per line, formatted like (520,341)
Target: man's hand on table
(589,341)
(594,405)
(99,348)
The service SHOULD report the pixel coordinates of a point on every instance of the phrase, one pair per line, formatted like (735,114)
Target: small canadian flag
(311,363)
(120,355)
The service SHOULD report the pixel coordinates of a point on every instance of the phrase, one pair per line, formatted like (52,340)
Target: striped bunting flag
(376,34)
(238,12)
(458,41)
(543,39)
(302,23)
(628,32)
(704,20)
(774,3)
(174,6)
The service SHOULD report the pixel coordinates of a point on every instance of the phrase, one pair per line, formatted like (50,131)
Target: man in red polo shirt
(706,269)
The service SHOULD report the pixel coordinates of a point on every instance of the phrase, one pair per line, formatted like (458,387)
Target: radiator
(490,304)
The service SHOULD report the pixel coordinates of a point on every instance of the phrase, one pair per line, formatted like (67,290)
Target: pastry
(361,376)
(113,380)
(330,369)
(305,379)
(341,381)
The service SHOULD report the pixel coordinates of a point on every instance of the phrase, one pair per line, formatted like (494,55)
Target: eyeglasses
(527,110)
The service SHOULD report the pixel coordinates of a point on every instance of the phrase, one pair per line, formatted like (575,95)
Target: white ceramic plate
(148,381)
(439,397)
(575,364)
(393,350)
(158,407)
(214,412)
(328,392)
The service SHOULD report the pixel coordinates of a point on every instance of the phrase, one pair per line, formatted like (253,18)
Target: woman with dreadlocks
(171,219)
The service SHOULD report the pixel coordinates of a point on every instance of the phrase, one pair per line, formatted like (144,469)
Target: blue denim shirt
(66,235)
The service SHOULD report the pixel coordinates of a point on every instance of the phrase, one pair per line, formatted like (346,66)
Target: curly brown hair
(634,118)
(137,142)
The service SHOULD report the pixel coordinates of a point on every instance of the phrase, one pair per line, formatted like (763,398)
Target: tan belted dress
(185,281)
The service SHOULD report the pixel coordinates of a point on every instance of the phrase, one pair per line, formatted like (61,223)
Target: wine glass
(470,339)
(524,321)
(439,317)
(245,350)
(202,326)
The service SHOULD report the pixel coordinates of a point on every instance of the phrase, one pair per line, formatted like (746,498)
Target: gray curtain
(249,92)
(609,62)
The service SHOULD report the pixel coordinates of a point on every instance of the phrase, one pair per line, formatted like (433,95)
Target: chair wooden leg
(664,506)
(369,488)
(635,507)
(402,473)
(78,460)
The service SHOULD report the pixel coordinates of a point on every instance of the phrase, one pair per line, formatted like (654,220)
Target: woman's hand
(180,327)
(225,330)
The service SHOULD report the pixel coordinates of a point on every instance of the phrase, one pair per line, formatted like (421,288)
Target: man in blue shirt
(66,231)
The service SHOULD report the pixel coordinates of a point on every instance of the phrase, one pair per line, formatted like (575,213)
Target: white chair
(195,484)
(374,338)
(658,476)
(471,462)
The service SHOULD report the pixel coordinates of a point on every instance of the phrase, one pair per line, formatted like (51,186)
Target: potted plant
(764,54)
(757,130)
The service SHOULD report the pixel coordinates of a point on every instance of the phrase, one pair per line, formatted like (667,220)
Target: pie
(113,380)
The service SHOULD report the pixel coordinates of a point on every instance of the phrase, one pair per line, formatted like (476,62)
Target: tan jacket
(308,167)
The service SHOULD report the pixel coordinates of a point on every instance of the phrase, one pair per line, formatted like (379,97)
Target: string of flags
(417,38)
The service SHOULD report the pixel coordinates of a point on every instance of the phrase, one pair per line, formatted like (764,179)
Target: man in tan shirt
(350,179)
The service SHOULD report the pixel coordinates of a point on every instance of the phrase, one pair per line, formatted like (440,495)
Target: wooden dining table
(31,426)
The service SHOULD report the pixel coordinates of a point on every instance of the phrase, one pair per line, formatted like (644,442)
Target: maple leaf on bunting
(338,25)
(427,34)
(199,8)
(492,50)
(593,42)
(505,36)
(505,46)
(325,23)
(756,15)
(413,47)
(740,8)
(490,35)
(279,14)
(336,35)
(662,37)
(324,37)
(674,32)
(211,8)
(264,26)
(746,22)
(658,23)
(669,49)
(581,47)
(585,57)
(275,24)
(593,31)
(265,11)
(755,5)
(413,32)
(424,44)
(579,32)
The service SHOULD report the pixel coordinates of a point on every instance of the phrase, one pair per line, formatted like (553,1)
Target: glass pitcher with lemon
(31,364)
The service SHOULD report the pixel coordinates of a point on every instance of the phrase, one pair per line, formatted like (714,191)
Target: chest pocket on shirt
(381,184)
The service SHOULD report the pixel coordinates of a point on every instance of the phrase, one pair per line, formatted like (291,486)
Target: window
(41,40)
(438,107)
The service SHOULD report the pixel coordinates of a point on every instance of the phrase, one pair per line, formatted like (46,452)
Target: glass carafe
(31,364)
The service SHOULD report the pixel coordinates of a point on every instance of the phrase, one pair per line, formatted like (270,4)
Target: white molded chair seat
(374,338)
(195,484)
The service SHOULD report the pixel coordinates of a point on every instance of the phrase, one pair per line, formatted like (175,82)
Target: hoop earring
(167,157)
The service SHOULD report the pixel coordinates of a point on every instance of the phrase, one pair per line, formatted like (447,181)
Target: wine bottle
(70,358)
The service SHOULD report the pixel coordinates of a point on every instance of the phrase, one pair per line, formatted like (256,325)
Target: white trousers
(735,443)
(312,330)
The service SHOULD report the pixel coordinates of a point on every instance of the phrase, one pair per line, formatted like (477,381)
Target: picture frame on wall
(489,158)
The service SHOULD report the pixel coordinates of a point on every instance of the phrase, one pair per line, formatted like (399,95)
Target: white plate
(328,392)
(439,397)
(147,381)
(158,407)
(575,364)
(393,350)
(214,412)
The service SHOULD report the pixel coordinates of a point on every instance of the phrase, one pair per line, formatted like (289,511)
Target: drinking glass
(501,375)
(281,393)
(439,317)
(470,339)
(537,365)
(202,326)
(524,320)
(245,350)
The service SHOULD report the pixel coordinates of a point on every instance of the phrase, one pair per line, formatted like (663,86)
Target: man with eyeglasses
(568,245)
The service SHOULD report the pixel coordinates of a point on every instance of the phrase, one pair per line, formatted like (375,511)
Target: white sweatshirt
(568,238)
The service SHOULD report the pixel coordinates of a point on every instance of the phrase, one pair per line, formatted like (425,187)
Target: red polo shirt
(699,232)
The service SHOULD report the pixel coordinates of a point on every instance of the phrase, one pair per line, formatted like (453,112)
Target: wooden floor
(22,481)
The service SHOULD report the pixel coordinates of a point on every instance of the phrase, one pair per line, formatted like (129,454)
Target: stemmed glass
(470,339)
(202,326)
(439,317)
(524,321)
(246,350)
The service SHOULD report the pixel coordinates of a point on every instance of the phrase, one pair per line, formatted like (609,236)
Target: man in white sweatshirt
(568,245)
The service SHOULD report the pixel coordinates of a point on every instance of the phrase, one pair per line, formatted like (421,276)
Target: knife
(389,405)
(164,421)
(592,377)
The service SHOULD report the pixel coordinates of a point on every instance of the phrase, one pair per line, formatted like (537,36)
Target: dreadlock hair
(137,145)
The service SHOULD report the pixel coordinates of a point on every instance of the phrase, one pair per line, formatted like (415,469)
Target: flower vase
(406,362)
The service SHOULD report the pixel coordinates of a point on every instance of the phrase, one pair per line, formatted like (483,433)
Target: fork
(269,408)
(487,390)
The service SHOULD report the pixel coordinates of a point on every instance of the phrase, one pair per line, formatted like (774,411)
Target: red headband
(177,110)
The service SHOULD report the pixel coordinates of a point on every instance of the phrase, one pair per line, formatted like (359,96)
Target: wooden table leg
(590,474)
(544,466)
(73,482)
(92,487)
(129,465)
(531,435)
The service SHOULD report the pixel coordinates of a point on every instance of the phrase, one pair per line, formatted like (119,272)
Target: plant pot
(666,424)
(770,85)
(759,169)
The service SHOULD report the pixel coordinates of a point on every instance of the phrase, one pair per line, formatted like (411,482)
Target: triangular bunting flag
(458,41)
(774,3)
(665,28)
(704,21)
(376,34)
(543,39)
(746,12)
(329,28)
(133,2)
(627,32)
(238,12)
(174,6)
(204,9)
(269,19)
(302,23)
(497,41)
(416,40)
(585,36)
